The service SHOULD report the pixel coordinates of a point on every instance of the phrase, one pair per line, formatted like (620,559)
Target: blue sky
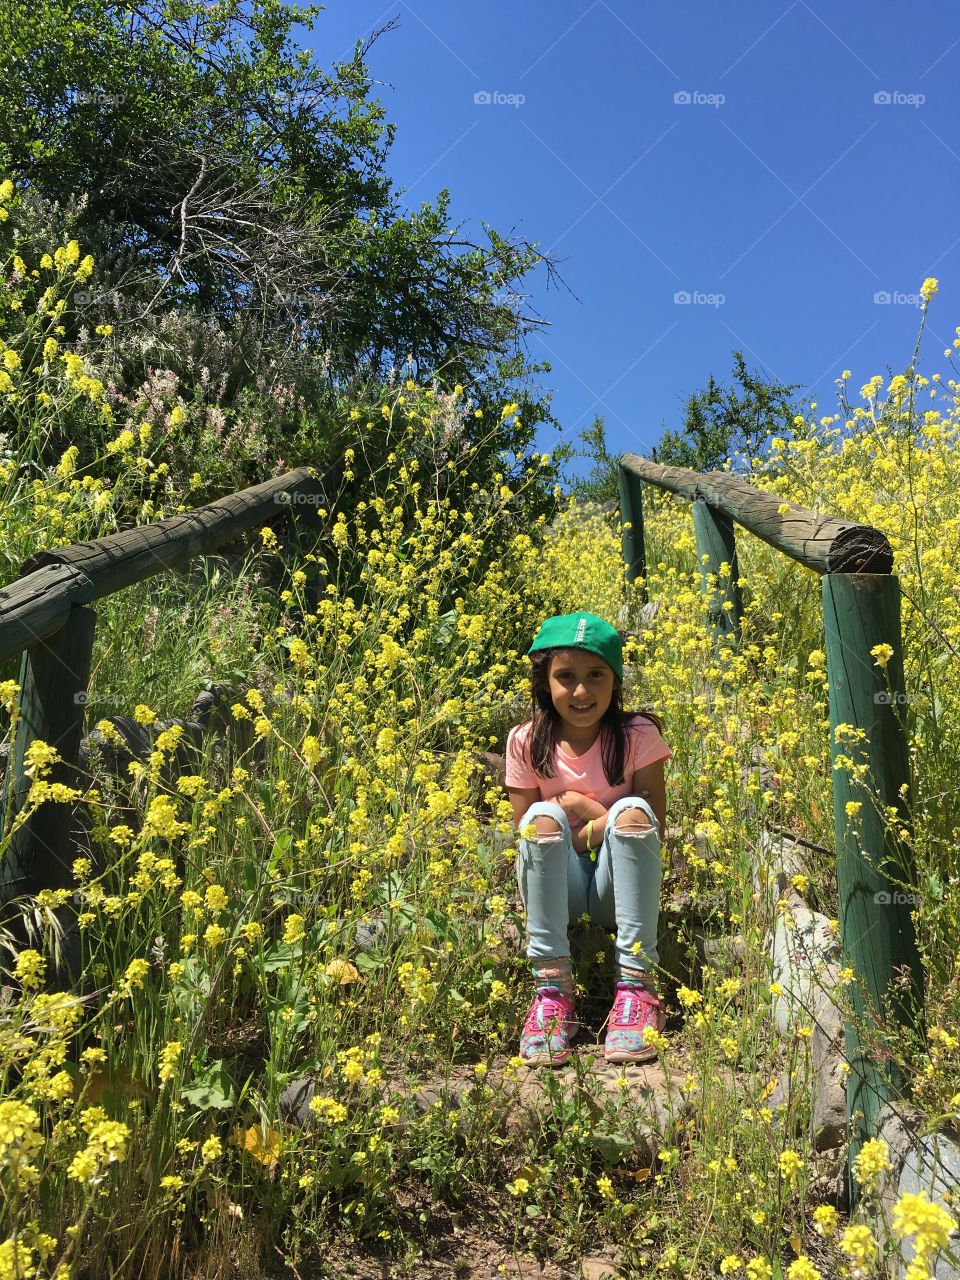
(783,166)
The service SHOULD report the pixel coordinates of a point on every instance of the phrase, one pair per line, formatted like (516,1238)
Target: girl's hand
(598,830)
(576,805)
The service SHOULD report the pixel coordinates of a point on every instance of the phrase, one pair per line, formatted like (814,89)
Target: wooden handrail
(120,559)
(34,607)
(36,604)
(822,543)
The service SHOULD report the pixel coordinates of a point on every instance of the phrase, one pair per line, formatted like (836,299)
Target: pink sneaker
(550,1025)
(634,1009)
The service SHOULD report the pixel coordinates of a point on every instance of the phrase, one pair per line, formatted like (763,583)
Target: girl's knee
(548,820)
(632,820)
(634,816)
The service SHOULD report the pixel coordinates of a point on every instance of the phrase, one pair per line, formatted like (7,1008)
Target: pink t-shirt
(584,773)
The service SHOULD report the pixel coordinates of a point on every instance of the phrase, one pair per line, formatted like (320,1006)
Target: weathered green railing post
(860,611)
(54,675)
(631,539)
(716,545)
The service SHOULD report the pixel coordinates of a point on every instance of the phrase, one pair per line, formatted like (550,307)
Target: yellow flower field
(335,899)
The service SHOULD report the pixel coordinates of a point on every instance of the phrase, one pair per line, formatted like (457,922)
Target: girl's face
(581,686)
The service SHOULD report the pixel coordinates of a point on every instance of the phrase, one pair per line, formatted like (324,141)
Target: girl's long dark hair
(547,724)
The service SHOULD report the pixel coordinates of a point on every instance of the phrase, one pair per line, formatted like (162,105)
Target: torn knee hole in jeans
(549,836)
(634,830)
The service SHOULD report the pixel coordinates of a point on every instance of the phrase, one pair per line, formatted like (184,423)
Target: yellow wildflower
(29,968)
(169,1057)
(293,930)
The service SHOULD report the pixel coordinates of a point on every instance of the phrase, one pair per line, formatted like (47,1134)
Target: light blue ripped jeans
(621,890)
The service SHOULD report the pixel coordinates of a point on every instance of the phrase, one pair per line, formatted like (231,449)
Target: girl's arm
(581,809)
(576,805)
(521,799)
(578,808)
(649,783)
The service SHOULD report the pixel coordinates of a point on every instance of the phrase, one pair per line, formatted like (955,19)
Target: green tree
(248,239)
(227,174)
(601,484)
(732,422)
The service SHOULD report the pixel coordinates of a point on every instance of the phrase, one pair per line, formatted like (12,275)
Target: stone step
(635,1108)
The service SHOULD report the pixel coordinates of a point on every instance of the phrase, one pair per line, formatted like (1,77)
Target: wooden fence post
(716,543)
(631,540)
(54,675)
(860,611)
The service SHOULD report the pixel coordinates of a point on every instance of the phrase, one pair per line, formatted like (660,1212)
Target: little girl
(577,774)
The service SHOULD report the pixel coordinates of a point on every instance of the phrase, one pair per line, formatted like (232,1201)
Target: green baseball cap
(582,631)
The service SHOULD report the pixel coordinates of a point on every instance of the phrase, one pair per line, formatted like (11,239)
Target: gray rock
(828,1116)
(635,1106)
(295,1102)
(494,766)
(211,710)
(829,1183)
(921,1162)
(599,1268)
(653,1104)
(209,715)
(802,955)
(649,611)
(727,949)
(828,1119)
(784,1095)
(778,859)
(370,934)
